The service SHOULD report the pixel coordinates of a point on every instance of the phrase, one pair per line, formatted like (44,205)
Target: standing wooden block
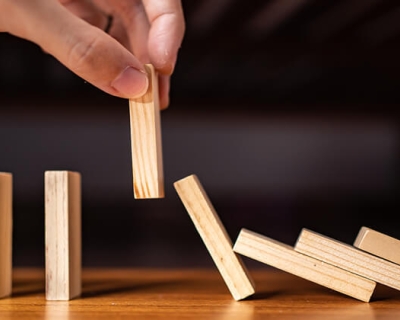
(146,142)
(5,234)
(63,234)
(215,237)
(284,257)
(379,244)
(349,258)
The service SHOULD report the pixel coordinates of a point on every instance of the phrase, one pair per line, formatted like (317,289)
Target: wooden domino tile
(215,237)
(5,234)
(378,244)
(284,257)
(63,234)
(349,258)
(146,142)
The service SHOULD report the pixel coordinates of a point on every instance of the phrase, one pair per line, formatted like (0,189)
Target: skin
(145,31)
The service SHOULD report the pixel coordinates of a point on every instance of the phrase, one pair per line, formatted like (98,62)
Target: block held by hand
(146,142)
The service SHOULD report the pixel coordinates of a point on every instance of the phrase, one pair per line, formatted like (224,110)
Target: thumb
(84,49)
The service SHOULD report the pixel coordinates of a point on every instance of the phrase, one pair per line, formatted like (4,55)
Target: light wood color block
(5,234)
(63,234)
(215,237)
(146,142)
(349,258)
(379,244)
(284,257)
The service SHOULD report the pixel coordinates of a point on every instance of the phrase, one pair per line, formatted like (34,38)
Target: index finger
(167,28)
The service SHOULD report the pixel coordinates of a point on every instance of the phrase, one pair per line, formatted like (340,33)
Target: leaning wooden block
(63,234)
(349,258)
(215,237)
(146,142)
(379,244)
(5,234)
(284,257)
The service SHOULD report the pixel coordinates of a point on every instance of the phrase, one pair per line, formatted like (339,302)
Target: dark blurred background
(287,111)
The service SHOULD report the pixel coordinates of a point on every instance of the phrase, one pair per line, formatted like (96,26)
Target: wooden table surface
(190,294)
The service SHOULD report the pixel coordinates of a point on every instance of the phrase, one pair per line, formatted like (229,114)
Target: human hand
(142,31)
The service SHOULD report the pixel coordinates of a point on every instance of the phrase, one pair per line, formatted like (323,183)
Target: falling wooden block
(215,237)
(5,234)
(284,257)
(63,234)
(349,258)
(146,142)
(379,244)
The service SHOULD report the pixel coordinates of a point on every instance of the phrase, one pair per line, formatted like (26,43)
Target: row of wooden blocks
(352,270)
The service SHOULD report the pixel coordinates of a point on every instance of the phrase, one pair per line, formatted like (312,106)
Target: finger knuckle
(84,52)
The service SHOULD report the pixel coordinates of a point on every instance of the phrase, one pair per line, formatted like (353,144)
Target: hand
(148,31)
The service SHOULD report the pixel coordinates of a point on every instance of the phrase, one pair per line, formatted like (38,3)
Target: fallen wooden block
(379,244)
(146,142)
(5,234)
(349,258)
(63,234)
(215,237)
(284,257)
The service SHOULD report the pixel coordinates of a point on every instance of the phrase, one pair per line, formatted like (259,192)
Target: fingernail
(131,83)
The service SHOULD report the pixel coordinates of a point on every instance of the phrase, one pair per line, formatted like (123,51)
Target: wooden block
(63,234)
(215,237)
(146,142)
(284,257)
(5,234)
(349,258)
(379,244)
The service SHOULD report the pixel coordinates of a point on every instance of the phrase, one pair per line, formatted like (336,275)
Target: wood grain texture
(379,244)
(6,223)
(284,257)
(349,258)
(63,234)
(178,294)
(146,141)
(215,237)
